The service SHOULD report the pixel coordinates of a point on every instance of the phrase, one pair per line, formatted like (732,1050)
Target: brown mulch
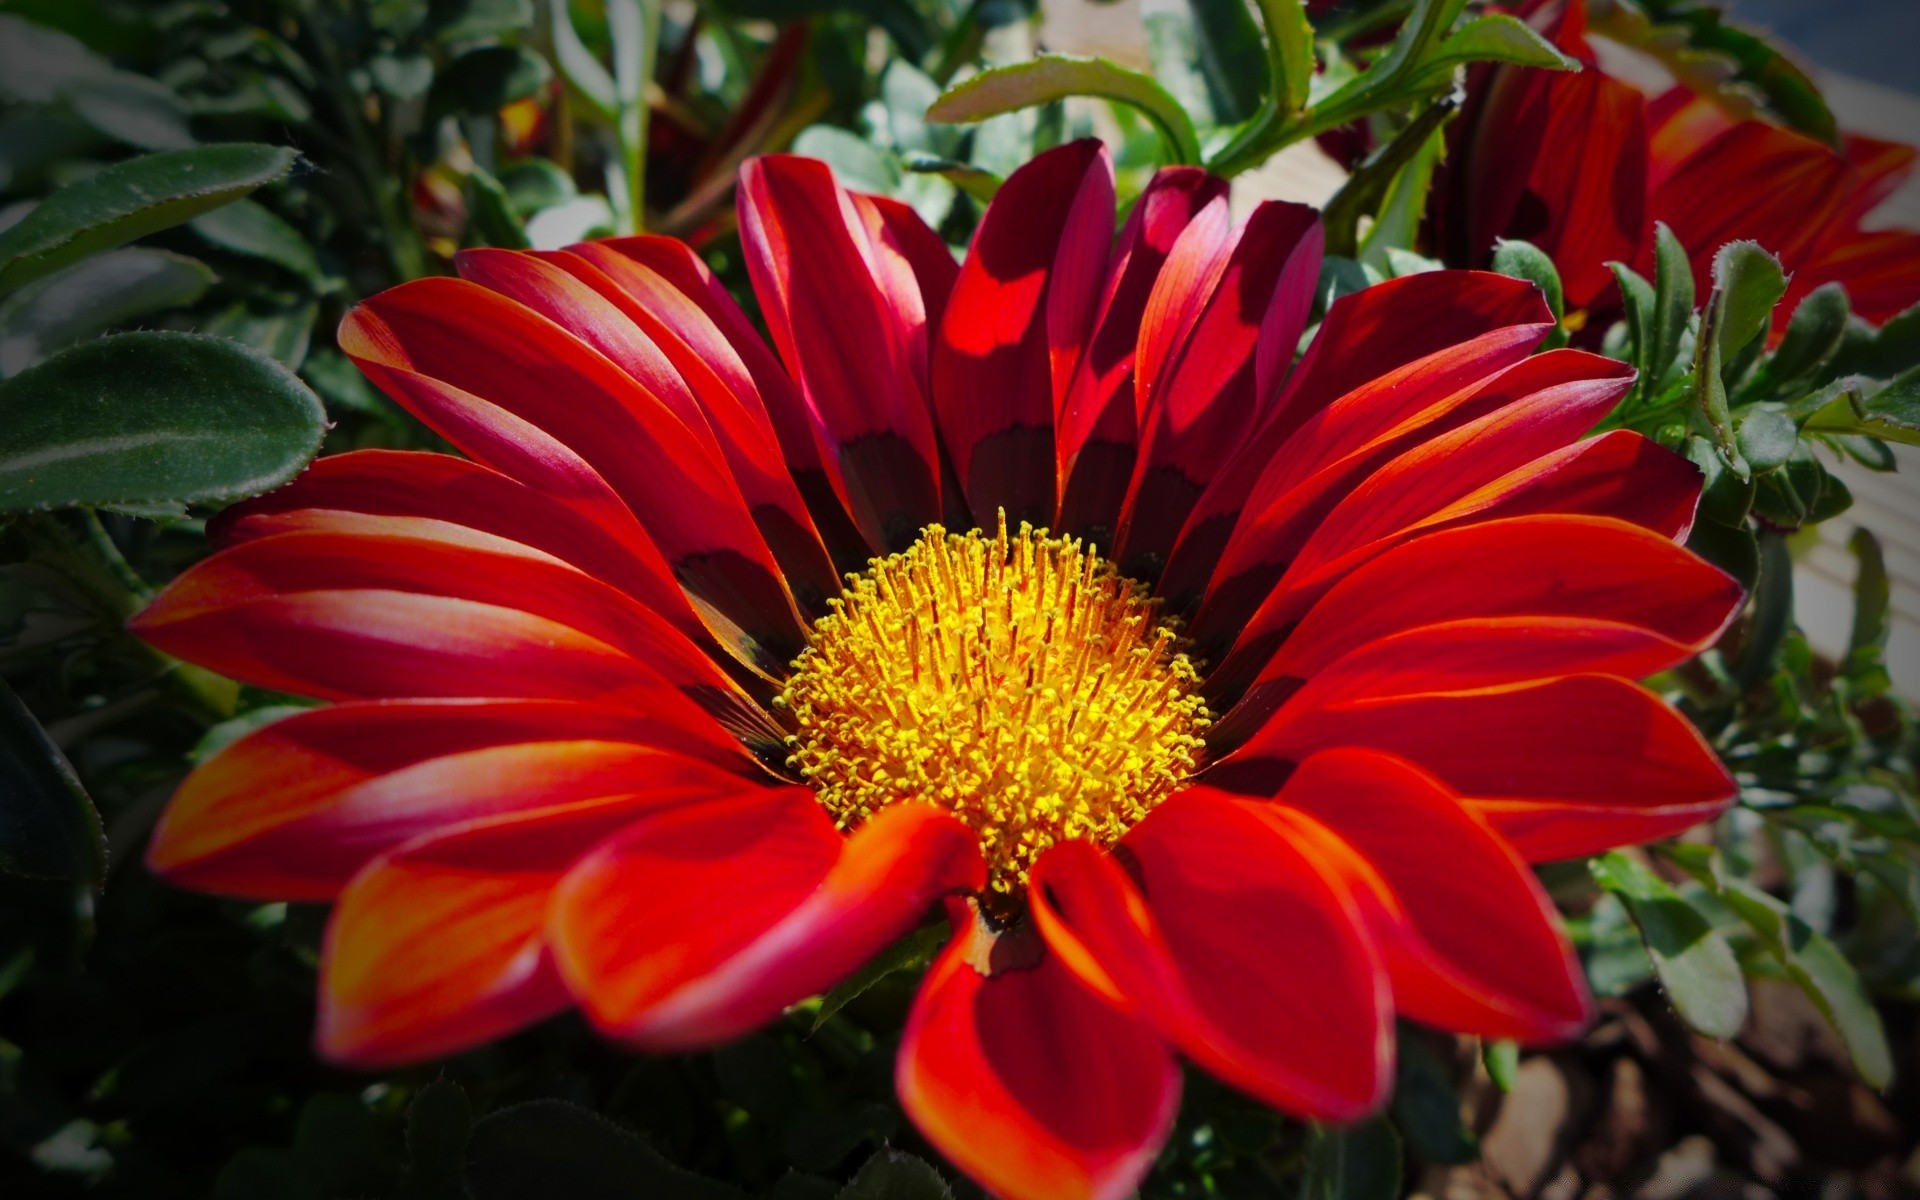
(1643,1109)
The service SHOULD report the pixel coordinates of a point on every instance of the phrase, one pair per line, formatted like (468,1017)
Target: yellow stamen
(1018,680)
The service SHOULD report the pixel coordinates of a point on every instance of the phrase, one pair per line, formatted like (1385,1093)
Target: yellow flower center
(1019,681)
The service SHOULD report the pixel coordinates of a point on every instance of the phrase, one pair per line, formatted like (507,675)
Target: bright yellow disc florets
(1019,681)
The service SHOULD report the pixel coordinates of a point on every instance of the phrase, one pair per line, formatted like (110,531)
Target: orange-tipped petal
(1244,952)
(438,945)
(292,810)
(1471,941)
(1562,768)
(1027,1080)
(697,927)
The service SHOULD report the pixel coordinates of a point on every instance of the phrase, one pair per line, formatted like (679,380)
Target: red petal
(1755,181)
(1379,329)
(290,811)
(1618,474)
(1537,565)
(1019,316)
(1224,373)
(737,433)
(438,946)
(1562,768)
(1028,1081)
(833,317)
(1244,954)
(1097,428)
(401,565)
(1414,340)
(655,959)
(917,271)
(666,288)
(1339,448)
(1394,501)
(1880,270)
(462,356)
(604,542)
(1470,939)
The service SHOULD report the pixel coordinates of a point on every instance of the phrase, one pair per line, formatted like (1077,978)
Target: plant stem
(94,567)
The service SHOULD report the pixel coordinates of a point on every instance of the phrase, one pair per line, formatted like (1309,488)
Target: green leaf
(37,63)
(1893,412)
(1426,1106)
(130,108)
(975,182)
(1369,189)
(1397,74)
(260,1173)
(1820,970)
(469,20)
(536,183)
(1498,37)
(1359,1162)
(149,417)
(1766,436)
(1725,497)
(279,327)
(896,1175)
(1695,964)
(92,296)
(340,1144)
(252,229)
(551,1148)
(1230,57)
(1502,1060)
(491,210)
(1814,332)
(131,200)
(484,81)
(1673,297)
(578,66)
(1638,299)
(1865,664)
(439,1122)
(1524,260)
(1289,53)
(1396,224)
(1732,548)
(1772,617)
(1053,77)
(914,950)
(1747,282)
(49,828)
(857,163)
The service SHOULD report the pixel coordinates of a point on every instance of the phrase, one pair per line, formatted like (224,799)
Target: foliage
(192,194)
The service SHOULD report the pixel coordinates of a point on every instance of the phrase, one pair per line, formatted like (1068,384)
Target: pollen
(1019,681)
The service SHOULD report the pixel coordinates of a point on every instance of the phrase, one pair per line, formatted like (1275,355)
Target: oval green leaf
(1053,77)
(253,229)
(49,828)
(1695,964)
(131,200)
(92,296)
(149,417)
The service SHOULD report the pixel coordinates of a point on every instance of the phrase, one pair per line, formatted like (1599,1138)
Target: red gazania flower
(609,730)
(1582,165)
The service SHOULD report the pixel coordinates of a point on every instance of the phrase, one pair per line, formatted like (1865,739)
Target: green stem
(96,570)
(632,75)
